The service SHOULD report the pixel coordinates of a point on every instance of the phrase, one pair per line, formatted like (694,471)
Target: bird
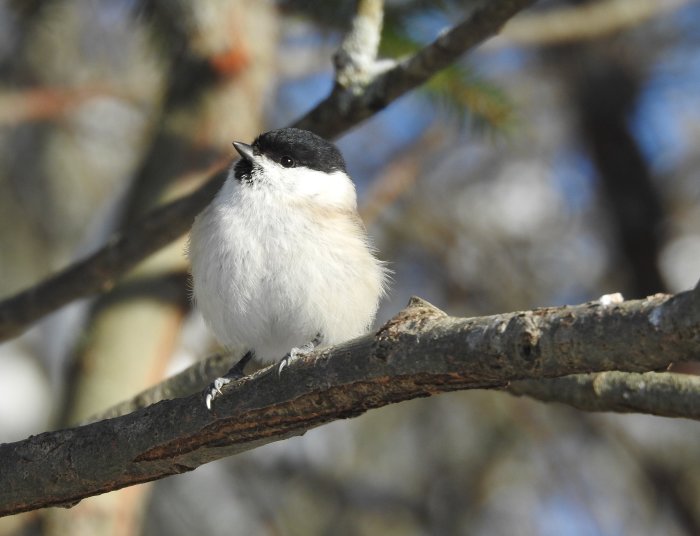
(281,263)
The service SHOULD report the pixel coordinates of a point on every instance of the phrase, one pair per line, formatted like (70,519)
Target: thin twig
(343,109)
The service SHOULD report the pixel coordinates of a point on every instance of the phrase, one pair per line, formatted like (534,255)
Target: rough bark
(421,352)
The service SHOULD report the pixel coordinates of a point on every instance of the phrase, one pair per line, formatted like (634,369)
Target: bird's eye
(287,161)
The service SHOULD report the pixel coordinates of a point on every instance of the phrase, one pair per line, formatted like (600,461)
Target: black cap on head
(293,147)
(304,147)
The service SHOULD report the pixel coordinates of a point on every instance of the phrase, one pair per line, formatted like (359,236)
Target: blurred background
(554,164)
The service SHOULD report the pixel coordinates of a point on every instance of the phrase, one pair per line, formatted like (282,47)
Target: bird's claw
(295,353)
(214,390)
(236,373)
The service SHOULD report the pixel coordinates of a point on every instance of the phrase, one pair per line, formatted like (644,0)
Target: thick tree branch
(342,110)
(420,352)
(665,394)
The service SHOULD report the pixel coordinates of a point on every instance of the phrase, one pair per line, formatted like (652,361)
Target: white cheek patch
(334,188)
(266,170)
(327,188)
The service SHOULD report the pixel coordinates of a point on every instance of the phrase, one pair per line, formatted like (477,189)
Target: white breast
(272,269)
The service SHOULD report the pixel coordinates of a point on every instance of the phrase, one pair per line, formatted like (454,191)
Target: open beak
(245,150)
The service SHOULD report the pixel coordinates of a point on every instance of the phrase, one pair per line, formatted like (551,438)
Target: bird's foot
(296,353)
(236,373)
(214,390)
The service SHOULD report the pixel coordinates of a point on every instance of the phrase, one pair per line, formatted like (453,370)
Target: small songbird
(281,262)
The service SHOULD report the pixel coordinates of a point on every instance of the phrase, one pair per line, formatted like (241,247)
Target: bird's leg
(234,373)
(301,351)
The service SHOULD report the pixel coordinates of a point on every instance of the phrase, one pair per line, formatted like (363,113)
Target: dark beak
(245,150)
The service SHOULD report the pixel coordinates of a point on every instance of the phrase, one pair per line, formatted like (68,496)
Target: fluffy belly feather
(280,290)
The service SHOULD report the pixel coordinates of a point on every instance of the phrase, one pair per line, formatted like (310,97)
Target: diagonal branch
(420,352)
(344,109)
(339,112)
